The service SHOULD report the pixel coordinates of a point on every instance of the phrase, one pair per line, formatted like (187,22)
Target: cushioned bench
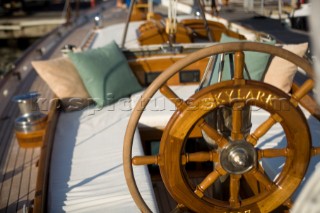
(86,168)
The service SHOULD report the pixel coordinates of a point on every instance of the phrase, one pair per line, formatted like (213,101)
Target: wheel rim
(183,121)
(216,49)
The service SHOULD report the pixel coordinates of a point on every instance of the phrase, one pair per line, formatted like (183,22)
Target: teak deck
(18,165)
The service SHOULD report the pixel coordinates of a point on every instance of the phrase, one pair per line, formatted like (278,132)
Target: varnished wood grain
(182,121)
(142,66)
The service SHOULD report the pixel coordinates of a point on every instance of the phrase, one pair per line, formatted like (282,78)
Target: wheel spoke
(211,156)
(315,151)
(252,182)
(262,178)
(256,186)
(212,133)
(302,91)
(263,129)
(247,71)
(173,97)
(272,153)
(234,191)
(236,133)
(180,208)
(238,66)
(209,180)
(288,203)
(145,160)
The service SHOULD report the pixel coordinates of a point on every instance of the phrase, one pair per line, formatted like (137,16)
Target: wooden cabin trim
(45,159)
(157,64)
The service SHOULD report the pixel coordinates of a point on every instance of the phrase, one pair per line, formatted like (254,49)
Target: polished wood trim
(217,28)
(142,66)
(154,32)
(308,102)
(44,161)
(304,89)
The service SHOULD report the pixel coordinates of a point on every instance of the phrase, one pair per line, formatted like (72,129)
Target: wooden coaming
(43,173)
(197,25)
(154,32)
(141,66)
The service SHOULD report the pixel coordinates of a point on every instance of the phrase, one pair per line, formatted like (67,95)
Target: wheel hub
(238,157)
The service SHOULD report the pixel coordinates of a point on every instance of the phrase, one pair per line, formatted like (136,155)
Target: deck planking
(25,177)
(13,195)
(14,163)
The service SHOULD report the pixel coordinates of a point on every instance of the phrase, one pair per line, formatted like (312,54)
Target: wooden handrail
(44,161)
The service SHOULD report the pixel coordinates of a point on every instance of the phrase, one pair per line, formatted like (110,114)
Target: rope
(171,24)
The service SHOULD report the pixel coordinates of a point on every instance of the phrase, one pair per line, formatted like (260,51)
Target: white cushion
(86,172)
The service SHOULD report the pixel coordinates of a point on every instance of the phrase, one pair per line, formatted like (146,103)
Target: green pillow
(256,63)
(105,73)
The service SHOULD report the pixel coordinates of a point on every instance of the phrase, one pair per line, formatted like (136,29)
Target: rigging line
(127,24)
(221,67)
(63,14)
(172,16)
(150,6)
(171,22)
(205,22)
(209,68)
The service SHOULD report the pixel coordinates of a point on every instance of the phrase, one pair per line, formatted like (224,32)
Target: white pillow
(281,72)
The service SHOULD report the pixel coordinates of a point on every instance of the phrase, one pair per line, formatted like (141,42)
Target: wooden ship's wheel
(237,155)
